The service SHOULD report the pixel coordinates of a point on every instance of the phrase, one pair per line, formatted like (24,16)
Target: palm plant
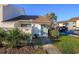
(11,38)
(3,35)
(53,18)
(14,37)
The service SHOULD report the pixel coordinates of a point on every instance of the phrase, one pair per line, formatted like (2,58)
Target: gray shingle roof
(22,17)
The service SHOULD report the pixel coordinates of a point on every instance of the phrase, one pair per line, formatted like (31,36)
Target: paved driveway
(45,40)
(42,40)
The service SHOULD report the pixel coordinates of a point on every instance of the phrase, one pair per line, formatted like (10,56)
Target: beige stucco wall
(15,24)
(77,23)
(70,28)
(7,24)
(1,13)
(60,24)
(24,29)
(18,23)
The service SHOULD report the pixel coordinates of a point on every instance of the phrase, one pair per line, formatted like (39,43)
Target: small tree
(53,31)
(53,19)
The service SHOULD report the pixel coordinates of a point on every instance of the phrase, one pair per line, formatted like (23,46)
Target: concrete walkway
(74,35)
(48,46)
(51,49)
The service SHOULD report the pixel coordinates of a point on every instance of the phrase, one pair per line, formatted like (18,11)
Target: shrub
(3,35)
(54,33)
(14,38)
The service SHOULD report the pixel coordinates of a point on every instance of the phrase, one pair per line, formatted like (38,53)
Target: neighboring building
(71,24)
(14,17)
(62,23)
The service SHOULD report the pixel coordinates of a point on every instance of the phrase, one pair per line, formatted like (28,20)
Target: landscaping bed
(22,50)
(16,41)
(67,44)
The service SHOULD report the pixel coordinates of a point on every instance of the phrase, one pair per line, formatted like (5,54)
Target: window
(74,23)
(25,25)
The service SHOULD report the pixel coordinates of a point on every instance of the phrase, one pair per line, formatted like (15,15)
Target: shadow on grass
(58,40)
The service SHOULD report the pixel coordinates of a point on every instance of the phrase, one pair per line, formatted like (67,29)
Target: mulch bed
(21,50)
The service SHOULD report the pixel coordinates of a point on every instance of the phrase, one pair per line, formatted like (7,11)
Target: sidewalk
(51,49)
(74,35)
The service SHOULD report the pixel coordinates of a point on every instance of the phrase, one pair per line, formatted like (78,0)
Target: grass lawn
(68,44)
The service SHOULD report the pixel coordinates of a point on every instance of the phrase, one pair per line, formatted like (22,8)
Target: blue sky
(63,11)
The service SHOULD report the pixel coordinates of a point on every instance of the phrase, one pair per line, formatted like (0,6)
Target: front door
(36,29)
(44,30)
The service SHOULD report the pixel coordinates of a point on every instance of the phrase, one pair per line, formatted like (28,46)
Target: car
(76,29)
(63,30)
(76,33)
